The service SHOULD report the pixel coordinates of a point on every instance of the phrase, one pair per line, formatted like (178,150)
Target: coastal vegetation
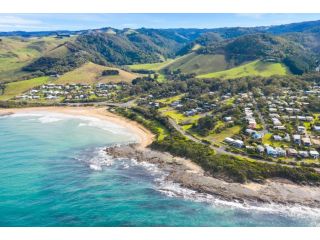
(223,166)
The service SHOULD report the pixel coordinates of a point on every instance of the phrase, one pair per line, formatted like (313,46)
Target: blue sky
(42,22)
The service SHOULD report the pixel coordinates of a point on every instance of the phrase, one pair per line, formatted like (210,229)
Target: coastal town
(281,127)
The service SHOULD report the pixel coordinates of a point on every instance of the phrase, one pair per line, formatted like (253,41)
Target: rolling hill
(90,73)
(255,68)
(25,55)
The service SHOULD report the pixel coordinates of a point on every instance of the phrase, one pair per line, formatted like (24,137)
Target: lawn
(179,117)
(16,88)
(255,68)
(150,66)
(219,137)
(170,99)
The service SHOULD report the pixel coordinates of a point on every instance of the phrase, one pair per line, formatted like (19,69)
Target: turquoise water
(54,173)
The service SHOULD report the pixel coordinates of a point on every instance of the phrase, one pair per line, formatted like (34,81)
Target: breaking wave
(86,121)
(99,159)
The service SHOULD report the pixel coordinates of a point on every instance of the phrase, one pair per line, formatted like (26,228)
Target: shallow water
(54,173)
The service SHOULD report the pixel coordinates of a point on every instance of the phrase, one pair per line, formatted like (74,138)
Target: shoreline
(145,137)
(184,171)
(189,175)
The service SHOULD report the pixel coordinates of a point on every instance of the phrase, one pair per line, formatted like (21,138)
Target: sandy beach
(145,137)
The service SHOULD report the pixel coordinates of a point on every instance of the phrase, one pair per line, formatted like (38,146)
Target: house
(272,110)
(297,139)
(257,135)
(229,140)
(309,118)
(260,149)
(316,128)
(287,138)
(280,127)
(281,152)
(227,119)
(306,142)
(303,154)
(277,138)
(252,124)
(292,152)
(314,154)
(276,122)
(271,151)
(301,129)
(238,143)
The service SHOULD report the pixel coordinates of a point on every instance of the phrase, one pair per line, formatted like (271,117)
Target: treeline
(51,65)
(195,87)
(110,72)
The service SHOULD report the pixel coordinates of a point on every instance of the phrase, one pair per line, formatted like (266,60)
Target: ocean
(54,172)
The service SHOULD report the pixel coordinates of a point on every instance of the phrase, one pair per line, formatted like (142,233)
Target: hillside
(25,55)
(16,53)
(92,73)
(255,68)
(199,63)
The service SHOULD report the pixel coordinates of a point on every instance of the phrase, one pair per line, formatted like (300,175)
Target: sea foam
(175,190)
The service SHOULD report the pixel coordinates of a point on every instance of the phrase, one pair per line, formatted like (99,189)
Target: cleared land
(16,53)
(199,63)
(90,73)
(255,68)
(16,88)
(151,66)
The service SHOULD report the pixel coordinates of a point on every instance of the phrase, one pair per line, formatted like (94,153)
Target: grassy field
(171,99)
(92,73)
(16,53)
(16,88)
(256,68)
(179,117)
(151,66)
(219,137)
(199,63)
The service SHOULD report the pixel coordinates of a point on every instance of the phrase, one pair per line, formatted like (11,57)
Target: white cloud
(19,22)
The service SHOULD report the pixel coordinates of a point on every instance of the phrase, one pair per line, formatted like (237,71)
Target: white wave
(294,211)
(86,121)
(171,189)
(95,167)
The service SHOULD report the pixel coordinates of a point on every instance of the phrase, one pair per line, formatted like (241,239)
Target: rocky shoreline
(191,176)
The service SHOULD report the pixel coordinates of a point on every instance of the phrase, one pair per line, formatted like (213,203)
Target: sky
(43,22)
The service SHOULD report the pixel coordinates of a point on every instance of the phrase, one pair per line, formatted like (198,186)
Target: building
(260,149)
(314,154)
(292,152)
(238,143)
(277,138)
(301,129)
(303,154)
(306,142)
(271,151)
(297,139)
(316,128)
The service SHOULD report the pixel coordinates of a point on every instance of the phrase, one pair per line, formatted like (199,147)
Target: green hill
(90,73)
(199,63)
(255,68)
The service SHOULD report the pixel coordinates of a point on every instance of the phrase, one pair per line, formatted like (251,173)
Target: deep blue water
(54,173)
